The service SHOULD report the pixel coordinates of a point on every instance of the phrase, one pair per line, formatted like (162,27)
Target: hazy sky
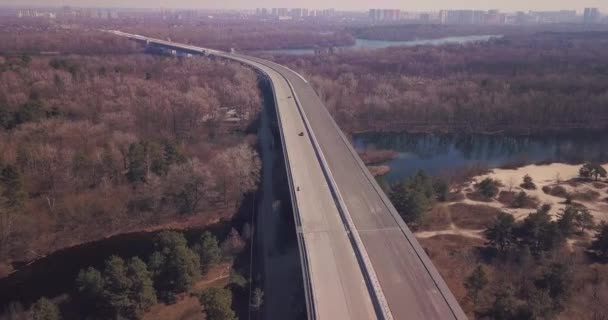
(506,5)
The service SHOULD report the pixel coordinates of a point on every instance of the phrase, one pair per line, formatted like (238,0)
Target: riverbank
(371,44)
(433,129)
(460,157)
(177,223)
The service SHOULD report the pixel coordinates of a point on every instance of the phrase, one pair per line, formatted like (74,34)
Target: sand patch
(550,175)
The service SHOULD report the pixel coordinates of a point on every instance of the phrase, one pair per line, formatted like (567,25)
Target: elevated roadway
(359,259)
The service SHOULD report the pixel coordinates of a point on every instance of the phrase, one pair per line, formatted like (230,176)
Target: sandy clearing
(543,175)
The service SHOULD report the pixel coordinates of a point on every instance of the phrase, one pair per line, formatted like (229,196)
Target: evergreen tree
(89,284)
(398,197)
(13,186)
(504,305)
(411,203)
(488,188)
(557,282)
(528,183)
(567,220)
(584,220)
(208,250)
(441,189)
(141,294)
(116,287)
(136,163)
(475,282)
(520,200)
(539,233)
(538,306)
(45,309)
(174,266)
(217,304)
(421,182)
(502,234)
(592,170)
(600,243)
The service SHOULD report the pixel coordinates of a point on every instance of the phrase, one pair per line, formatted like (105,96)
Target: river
(54,274)
(381,44)
(442,154)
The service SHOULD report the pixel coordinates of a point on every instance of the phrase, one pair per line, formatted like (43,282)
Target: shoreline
(11,267)
(515,132)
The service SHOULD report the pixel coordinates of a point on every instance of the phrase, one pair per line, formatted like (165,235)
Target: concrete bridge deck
(359,259)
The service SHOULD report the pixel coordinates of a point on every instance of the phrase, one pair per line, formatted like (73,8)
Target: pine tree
(116,287)
(475,282)
(502,234)
(217,304)
(600,243)
(141,293)
(174,266)
(208,249)
(14,191)
(45,309)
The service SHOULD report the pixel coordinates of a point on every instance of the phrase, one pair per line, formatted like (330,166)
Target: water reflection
(382,44)
(440,153)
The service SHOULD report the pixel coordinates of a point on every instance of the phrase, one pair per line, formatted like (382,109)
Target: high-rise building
(553,16)
(465,17)
(384,14)
(591,15)
(297,12)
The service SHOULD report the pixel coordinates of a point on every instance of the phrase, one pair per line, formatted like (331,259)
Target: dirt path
(453,230)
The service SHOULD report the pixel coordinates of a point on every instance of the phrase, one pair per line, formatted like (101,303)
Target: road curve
(359,259)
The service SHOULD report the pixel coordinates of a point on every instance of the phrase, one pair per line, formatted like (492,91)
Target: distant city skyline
(428,5)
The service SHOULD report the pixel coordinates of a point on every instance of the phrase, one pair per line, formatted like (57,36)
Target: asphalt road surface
(412,286)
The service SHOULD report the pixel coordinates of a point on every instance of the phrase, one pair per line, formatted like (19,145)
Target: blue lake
(381,44)
(442,154)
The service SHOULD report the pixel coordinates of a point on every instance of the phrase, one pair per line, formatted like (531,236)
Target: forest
(251,35)
(44,37)
(525,84)
(92,146)
(222,33)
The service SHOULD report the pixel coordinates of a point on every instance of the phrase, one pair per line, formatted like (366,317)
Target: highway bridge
(359,259)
